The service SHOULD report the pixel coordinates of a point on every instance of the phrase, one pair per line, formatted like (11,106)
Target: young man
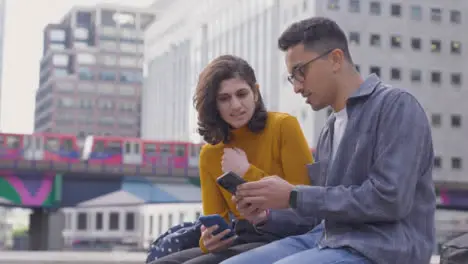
(372,190)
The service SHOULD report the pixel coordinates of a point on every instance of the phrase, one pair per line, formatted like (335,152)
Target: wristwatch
(293,198)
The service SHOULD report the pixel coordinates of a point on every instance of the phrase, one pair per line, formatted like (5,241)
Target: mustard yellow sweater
(280,149)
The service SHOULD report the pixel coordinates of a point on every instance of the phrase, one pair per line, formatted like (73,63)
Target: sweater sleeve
(213,201)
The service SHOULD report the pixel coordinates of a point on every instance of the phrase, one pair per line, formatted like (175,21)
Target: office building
(91,72)
(2,33)
(412,44)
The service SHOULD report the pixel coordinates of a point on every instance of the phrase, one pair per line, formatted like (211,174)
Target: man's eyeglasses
(298,73)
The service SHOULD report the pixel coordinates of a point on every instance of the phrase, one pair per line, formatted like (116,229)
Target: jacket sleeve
(287,222)
(403,152)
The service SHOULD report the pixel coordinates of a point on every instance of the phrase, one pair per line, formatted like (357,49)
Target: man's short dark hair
(318,34)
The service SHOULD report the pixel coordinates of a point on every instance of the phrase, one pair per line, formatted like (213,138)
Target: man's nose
(298,87)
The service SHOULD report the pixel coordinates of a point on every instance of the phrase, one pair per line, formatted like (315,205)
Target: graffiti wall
(31,189)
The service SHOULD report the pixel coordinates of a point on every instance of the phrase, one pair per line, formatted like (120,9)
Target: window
(437,162)
(436,14)
(354,37)
(107,76)
(128,61)
(60,60)
(52,144)
(84,73)
(86,58)
(455,17)
(99,221)
(56,46)
(108,60)
(456,79)
(416,13)
(160,226)
(126,90)
(164,149)
(455,120)
(66,102)
(456,163)
(395,42)
(180,151)
(130,221)
(60,72)
(455,47)
(64,86)
(436,120)
(150,149)
(354,6)
(130,77)
(181,217)
(416,75)
(436,46)
(150,225)
(375,8)
(375,70)
(395,10)
(13,142)
(334,4)
(436,77)
(128,47)
(375,40)
(416,43)
(81,33)
(114,221)
(169,220)
(57,35)
(81,223)
(395,74)
(110,45)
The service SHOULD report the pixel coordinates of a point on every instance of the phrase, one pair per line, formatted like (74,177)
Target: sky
(25,20)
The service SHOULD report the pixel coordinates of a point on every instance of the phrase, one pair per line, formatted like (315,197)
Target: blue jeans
(301,249)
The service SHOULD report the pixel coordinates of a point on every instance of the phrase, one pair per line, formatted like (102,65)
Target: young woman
(243,138)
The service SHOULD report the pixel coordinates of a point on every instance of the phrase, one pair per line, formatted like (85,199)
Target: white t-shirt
(341,119)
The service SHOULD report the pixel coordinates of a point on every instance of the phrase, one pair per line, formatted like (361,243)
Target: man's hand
(250,213)
(269,193)
(235,160)
(213,243)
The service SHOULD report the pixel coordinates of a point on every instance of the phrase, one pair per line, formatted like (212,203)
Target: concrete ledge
(72,257)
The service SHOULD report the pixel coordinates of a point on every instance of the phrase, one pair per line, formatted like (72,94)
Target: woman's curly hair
(211,126)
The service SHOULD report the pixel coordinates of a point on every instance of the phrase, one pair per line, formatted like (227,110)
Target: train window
(114,146)
(67,145)
(52,144)
(164,149)
(13,142)
(2,140)
(128,148)
(137,147)
(99,146)
(150,149)
(193,150)
(180,150)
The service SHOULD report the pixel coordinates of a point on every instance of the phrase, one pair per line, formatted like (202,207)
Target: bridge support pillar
(45,229)
(38,229)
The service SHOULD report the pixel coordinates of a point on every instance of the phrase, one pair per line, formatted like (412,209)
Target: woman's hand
(213,243)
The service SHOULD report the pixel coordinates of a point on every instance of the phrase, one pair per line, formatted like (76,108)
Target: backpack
(177,238)
(455,251)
